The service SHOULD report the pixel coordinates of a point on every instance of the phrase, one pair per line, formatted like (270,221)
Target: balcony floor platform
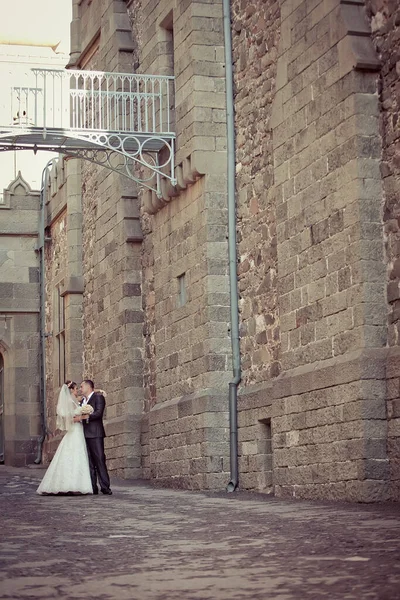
(129,143)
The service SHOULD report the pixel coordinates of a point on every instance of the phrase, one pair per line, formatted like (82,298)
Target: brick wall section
(149,333)
(112,311)
(62,251)
(330,269)
(331,272)
(255,35)
(187,360)
(56,259)
(146,289)
(326,155)
(112,316)
(90,175)
(189,355)
(19,322)
(393,415)
(190,343)
(385,24)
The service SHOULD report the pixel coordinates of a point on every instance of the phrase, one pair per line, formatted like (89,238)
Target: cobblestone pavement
(151,543)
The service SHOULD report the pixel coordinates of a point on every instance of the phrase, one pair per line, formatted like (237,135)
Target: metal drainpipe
(235,340)
(42,285)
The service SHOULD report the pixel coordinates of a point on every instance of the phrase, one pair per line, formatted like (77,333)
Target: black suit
(93,429)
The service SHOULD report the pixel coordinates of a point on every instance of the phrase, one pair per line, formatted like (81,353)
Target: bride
(68,472)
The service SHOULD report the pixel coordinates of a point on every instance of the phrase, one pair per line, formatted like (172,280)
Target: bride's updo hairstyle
(71,385)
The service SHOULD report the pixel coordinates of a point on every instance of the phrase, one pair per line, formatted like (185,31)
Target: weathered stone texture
(255,36)
(187,348)
(331,441)
(190,354)
(112,311)
(19,322)
(63,285)
(326,151)
(385,24)
(56,266)
(393,416)
(319,400)
(112,316)
(187,345)
(330,266)
(90,175)
(186,443)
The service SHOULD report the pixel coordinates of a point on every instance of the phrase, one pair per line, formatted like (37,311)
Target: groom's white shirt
(86,400)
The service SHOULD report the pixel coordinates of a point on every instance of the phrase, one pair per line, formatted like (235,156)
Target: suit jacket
(94,427)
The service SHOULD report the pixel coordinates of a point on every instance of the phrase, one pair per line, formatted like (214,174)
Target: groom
(94,435)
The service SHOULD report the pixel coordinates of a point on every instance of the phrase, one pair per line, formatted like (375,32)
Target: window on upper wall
(167,30)
(167,60)
(59,314)
(90,55)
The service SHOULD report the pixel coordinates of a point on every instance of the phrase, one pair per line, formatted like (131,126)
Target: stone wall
(255,36)
(325,412)
(63,286)
(310,134)
(56,258)
(185,293)
(192,345)
(385,24)
(19,322)
(112,311)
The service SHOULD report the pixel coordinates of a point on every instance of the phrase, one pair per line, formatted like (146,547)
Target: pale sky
(28,23)
(36,22)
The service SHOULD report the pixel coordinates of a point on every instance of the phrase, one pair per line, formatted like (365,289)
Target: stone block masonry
(385,25)
(64,287)
(20,421)
(191,345)
(316,129)
(56,259)
(110,246)
(329,278)
(185,274)
(255,37)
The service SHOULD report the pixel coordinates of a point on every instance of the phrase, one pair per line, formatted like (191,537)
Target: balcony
(117,120)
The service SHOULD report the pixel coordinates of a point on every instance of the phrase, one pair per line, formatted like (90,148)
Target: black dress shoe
(95,492)
(106,492)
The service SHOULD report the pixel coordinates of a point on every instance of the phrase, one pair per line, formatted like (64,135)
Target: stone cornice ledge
(355,48)
(73,285)
(190,170)
(360,365)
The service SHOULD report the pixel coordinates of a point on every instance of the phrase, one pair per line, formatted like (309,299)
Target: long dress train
(69,469)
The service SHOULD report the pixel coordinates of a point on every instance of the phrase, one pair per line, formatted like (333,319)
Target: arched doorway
(1,409)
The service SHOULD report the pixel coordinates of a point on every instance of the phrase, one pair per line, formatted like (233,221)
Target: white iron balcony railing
(94,115)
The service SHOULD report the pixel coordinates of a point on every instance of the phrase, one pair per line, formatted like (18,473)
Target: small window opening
(182,290)
(264,447)
(167,29)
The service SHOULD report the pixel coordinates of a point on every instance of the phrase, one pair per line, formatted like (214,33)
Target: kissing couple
(80,460)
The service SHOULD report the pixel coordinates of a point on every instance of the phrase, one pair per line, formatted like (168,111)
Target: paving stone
(150,543)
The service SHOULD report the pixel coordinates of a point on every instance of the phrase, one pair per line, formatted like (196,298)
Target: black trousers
(97,463)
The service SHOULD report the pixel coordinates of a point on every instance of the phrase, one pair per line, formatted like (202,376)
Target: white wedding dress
(69,469)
